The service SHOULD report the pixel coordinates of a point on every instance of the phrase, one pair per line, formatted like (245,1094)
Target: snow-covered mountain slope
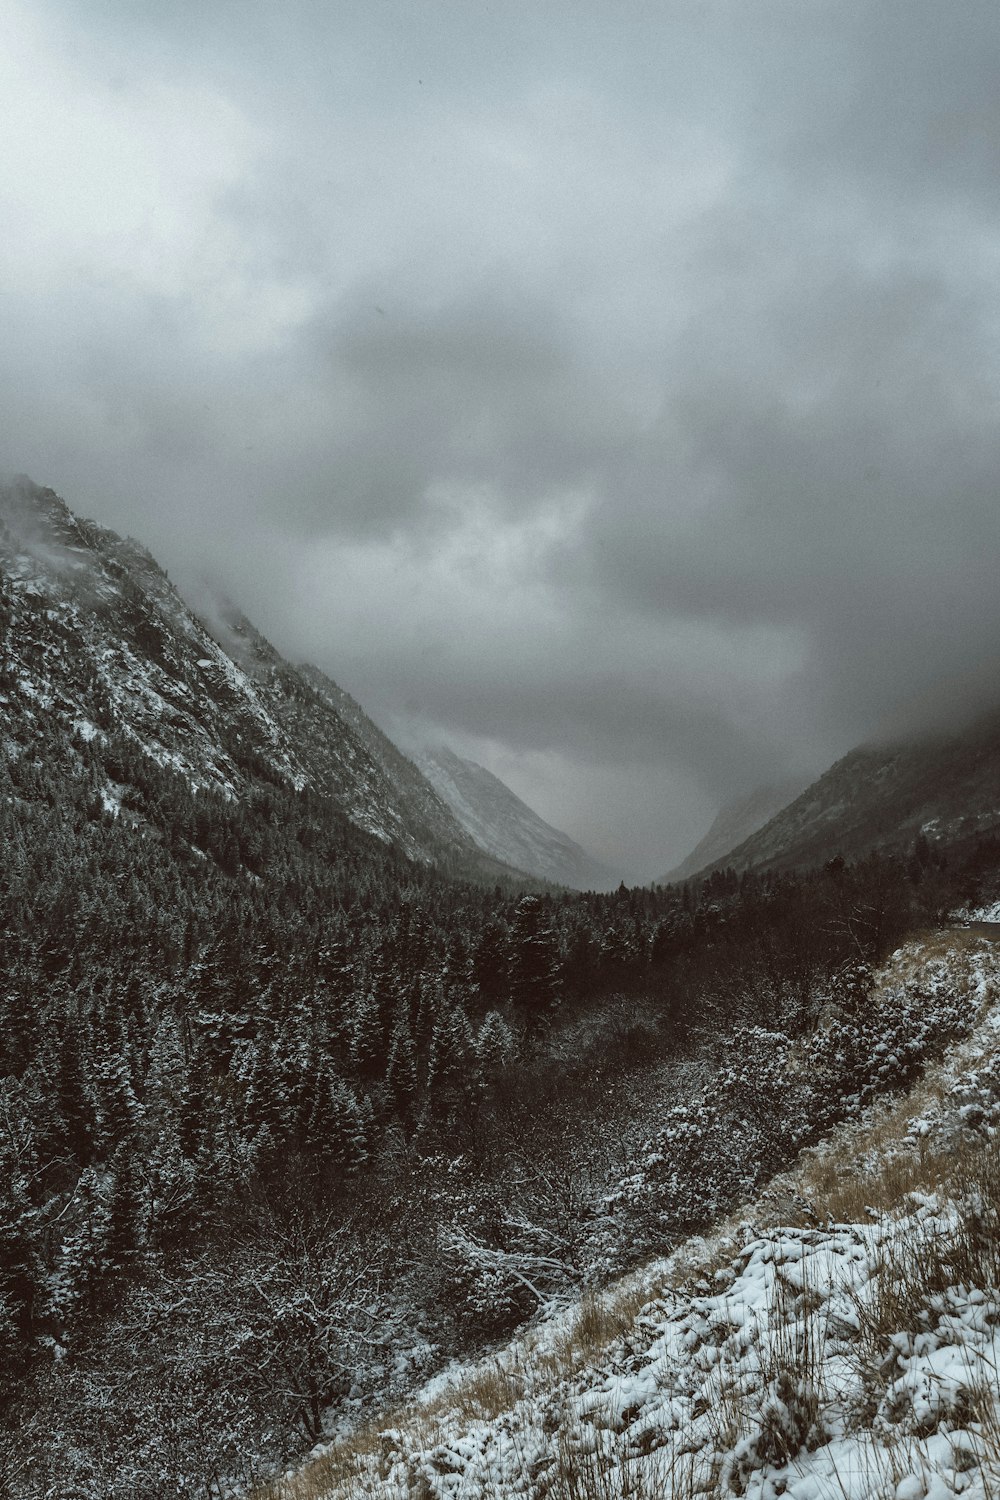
(837,1339)
(946,786)
(733,824)
(504,826)
(412,788)
(94,635)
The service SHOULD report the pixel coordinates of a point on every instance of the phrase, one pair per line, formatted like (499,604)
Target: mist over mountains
(210,699)
(734,823)
(500,808)
(506,827)
(941,787)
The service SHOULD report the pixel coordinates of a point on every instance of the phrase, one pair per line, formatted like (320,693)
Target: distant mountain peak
(504,825)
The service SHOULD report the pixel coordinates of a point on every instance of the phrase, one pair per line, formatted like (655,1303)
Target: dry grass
(601,1320)
(837,1180)
(490,1388)
(772,1400)
(832,1184)
(528,1370)
(335,1472)
(984,1403)
(853,1198)
(599,1475)
(925,948)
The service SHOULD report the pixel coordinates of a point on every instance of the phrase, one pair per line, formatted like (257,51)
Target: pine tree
(118,1110)
(127,1210)
(495,1045)
(336,1129)
(82,1258)
(535,981)
(401,1072)
(367,1048)
(71,1093)
(452,1072)
(20,1237)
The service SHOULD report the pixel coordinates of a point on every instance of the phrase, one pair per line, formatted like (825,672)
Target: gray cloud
(482,394)
(613,388)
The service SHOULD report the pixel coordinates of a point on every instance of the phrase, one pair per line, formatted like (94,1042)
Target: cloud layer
(610,390)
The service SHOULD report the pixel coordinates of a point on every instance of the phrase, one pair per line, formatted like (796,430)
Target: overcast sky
(609,387)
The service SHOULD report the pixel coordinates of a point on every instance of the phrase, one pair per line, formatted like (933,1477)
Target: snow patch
(981,913)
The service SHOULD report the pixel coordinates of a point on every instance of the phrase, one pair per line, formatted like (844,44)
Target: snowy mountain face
(93,634)
(504,826)
(735,823)
(946,787)
(411,788)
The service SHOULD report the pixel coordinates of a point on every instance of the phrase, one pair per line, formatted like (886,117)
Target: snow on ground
(766,1382)
(823,1360)
(111,799)
(981,913)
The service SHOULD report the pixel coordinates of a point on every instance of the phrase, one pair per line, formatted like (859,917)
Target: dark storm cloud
(906,103)
(844,441)
(613,389)
(486,393)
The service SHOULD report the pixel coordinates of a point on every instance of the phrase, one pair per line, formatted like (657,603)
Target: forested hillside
(94,637)
(505,826)
(286,1117)
(834,1338)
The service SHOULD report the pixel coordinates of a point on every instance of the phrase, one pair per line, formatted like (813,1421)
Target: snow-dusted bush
(772,1094)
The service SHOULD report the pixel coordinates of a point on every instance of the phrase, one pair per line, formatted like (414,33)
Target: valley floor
(838,1339)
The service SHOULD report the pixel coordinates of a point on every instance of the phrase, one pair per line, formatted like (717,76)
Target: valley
(499,751)
(310,1098)
(820,1341)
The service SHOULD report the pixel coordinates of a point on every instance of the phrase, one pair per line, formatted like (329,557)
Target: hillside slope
(734,823)
(95,633)
(836,1339)
(945,786)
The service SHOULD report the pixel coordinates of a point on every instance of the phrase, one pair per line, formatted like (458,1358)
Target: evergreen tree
(401,1072)
(496,1045)
(452,1072)
(82,1259)
(535,979)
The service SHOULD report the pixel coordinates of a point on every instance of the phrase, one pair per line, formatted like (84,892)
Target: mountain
(95,635)
(733,824)
(411,784)
(945,786)
(504,826)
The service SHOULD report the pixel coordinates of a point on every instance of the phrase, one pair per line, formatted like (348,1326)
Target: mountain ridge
(735,822)
(942,786)
(96,632)
(500,822)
